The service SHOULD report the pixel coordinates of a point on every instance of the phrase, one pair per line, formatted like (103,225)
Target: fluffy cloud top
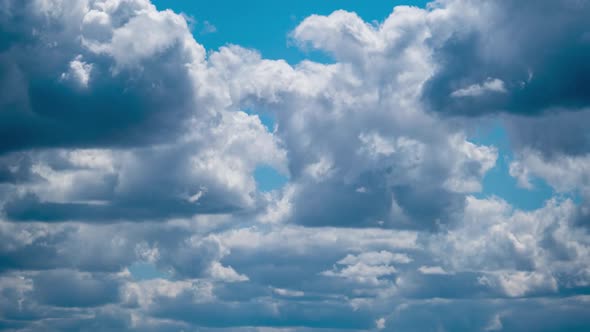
(125,144)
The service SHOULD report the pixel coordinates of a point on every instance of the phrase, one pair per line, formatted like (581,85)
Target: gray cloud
(536,61)
(377,227)
(85,92)
(63,288)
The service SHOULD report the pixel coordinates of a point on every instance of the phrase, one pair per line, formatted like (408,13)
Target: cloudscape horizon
(265,166)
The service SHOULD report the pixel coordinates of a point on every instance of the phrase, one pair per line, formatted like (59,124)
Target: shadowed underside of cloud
(97,84)
(513,57)
(124,143)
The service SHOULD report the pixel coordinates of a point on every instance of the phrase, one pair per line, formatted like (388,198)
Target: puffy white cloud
(361,272)
(490,85)
(565,173)
(522,252)
(359,123)
(130,119)
(79,71)
(432,270)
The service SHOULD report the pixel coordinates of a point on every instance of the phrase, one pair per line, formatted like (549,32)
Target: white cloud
(375,258)
(380,323)
(288,292)
(476,90)
(564,173)
(432,270)
(129,45)
(495,324)
(79,71)
(521,283)
(375,225)
(225,273)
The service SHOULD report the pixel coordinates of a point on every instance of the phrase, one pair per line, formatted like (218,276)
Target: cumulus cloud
(94,87)
(113,123)
(490,85)
(352,125)
(130,144)
(520,66)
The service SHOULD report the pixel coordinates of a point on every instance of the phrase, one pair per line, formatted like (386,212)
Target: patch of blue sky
(266,118)
(146,271)
(268,178)
(498,181)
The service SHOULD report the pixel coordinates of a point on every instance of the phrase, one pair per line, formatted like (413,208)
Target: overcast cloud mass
(129,199)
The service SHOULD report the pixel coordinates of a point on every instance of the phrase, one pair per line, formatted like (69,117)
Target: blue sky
(180,167)
(498,181)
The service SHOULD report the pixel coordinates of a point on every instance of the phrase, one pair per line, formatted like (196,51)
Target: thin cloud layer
(126,147)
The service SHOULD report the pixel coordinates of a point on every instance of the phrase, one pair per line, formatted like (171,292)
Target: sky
(176,165)
(265,25)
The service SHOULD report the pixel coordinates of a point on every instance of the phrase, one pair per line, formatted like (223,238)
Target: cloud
(131,144)
(143,183)
(544,134)
(432,270)
(79,71)
(359,123)
(144,107)
(64,288)
(100,84)
(208,28)
(524,66)
(490,85)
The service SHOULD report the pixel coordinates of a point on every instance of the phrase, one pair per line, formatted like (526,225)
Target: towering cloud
(128,197)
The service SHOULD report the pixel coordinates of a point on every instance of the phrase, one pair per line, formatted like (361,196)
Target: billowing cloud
(100,83)
(111,123)
(487,61)
(128,153)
